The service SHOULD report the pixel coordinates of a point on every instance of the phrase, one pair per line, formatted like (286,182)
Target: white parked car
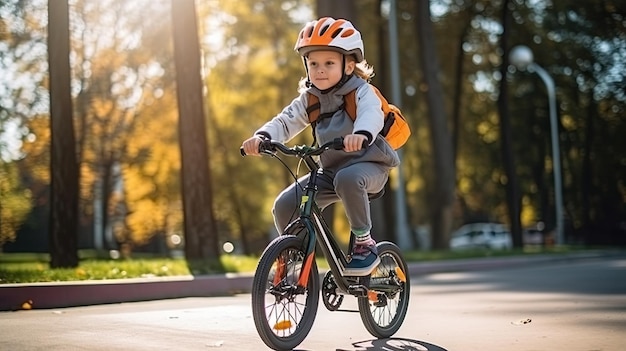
(481,235)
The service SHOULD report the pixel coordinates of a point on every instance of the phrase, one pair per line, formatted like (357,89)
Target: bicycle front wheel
(284,312)
(387,303)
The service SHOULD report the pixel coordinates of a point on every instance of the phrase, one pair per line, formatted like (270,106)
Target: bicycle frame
(311,218)
(285,295)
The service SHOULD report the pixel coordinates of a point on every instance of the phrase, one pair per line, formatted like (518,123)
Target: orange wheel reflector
(372,296)
(400,274)
(282,325)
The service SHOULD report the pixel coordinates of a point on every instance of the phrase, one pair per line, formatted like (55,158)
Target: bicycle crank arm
(358,290)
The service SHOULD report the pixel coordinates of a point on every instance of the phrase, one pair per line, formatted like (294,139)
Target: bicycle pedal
(358,290)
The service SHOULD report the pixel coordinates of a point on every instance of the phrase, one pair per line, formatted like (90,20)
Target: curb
(94,292)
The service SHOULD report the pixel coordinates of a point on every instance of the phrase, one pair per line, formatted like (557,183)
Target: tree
(443,190)
(338,9)
(201,242)
(508,158)
(63,166)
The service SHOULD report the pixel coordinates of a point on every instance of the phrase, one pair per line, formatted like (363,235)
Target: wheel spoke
(283,311)
(383,314)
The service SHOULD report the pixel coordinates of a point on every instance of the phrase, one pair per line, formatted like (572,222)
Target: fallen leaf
(522,321)
(218,343)
(27,305)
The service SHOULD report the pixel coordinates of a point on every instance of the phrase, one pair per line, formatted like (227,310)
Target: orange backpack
(395,130)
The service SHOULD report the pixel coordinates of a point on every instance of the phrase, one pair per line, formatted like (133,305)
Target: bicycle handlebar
(270,146)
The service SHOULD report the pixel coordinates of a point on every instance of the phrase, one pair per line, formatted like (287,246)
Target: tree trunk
(443,193)
(338,9)
(457,97)
(587,170)
(63,166)
(508,158)
(201,242)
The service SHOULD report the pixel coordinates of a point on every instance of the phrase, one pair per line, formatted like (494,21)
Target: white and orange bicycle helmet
(328,33)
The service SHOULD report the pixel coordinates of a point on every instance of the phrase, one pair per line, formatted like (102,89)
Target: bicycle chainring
(331,299)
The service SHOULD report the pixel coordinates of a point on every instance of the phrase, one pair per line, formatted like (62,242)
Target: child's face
(325,68)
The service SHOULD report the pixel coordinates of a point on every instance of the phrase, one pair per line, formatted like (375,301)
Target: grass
(31,268)
(435,255)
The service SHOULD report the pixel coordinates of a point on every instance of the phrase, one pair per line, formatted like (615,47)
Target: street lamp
(522,57)
(402,228)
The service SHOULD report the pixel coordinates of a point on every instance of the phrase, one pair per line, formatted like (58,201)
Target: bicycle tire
(386,306)
(283,315)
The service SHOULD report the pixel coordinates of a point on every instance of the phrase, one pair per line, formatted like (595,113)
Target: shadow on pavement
(393,344)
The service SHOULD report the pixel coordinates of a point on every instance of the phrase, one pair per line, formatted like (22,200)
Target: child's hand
(354,142)
(251,146)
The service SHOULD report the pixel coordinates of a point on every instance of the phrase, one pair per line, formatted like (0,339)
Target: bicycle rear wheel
(283,312)
(387,303)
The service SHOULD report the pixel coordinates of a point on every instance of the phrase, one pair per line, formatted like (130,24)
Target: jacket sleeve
(292,120)
(369,113)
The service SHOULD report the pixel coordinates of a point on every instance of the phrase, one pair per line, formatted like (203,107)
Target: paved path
(567,305)
(93,292)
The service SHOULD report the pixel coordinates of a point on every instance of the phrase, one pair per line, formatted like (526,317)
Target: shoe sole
(361,272)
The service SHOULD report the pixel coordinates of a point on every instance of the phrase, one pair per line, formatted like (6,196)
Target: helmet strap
(308,83)
(344,76)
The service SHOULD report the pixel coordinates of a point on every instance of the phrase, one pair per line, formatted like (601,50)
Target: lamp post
(402,228)
(522,57)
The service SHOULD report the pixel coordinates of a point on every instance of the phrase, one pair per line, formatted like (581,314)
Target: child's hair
(361,69)
(364,70)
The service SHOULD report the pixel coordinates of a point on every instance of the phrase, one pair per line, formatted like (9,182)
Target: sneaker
(364,259)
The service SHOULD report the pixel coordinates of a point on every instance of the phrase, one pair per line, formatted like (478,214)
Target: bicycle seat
(376,195)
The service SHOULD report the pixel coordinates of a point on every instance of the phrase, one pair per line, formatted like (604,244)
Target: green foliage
(436,255)
(27,272)
(19,268)
(15,202)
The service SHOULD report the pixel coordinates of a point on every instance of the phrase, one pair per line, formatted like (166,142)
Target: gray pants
(351,185)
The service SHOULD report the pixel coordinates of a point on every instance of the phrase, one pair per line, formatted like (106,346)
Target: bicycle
(286,284)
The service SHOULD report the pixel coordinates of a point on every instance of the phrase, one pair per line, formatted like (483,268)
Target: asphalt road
(558,306)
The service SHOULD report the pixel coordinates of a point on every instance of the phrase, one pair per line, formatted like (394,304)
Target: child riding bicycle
(333,55)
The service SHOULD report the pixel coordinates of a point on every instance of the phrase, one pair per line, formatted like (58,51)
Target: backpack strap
(349,105)
(349,102)
(313,111)
(313,108)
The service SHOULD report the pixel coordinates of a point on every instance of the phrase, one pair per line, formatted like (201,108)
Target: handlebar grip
(337,144)
(266,144)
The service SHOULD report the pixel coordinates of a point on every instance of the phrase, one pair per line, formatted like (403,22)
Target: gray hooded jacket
(293,119)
